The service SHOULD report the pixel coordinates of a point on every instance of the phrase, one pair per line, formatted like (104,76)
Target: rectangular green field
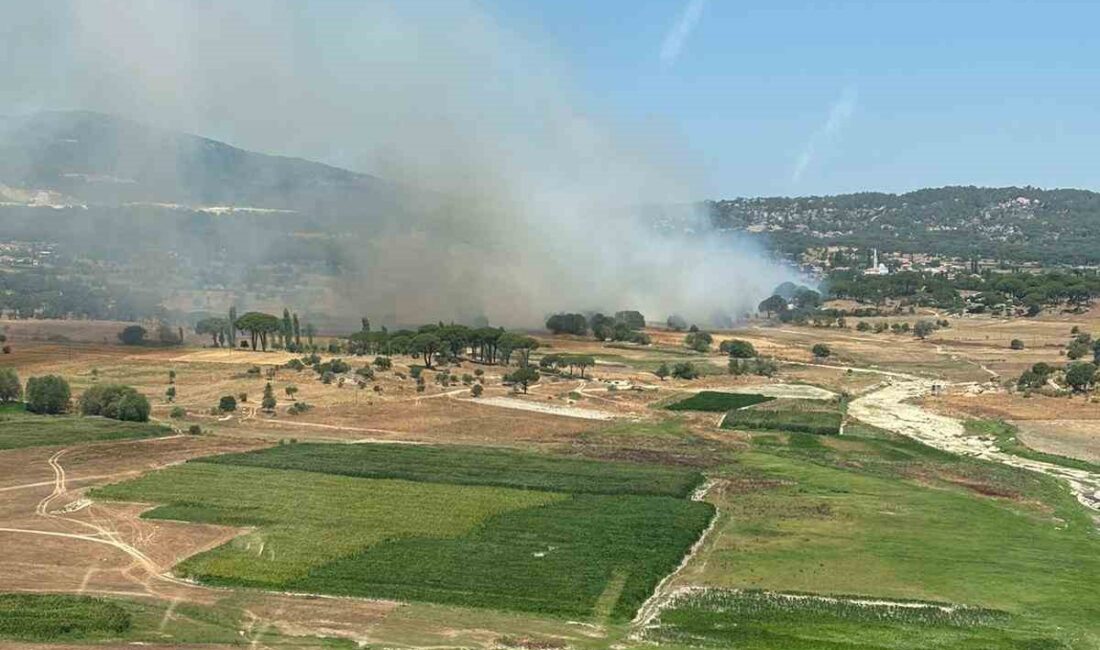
(717,402)
(817,422)
(584,555)
(41,617)
(473,466)
(18,429)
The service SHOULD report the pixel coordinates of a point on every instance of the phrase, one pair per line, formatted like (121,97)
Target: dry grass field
(56,540)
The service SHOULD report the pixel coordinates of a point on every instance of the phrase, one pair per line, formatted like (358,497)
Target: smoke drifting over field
(521,202)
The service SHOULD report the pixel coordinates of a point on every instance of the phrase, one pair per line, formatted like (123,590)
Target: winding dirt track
(887,408)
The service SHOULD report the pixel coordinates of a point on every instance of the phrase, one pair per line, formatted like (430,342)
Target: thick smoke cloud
(528,202)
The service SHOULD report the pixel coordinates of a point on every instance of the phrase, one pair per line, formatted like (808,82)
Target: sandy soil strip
(549,409)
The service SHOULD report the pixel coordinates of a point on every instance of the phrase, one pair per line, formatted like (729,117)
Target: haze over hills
(104,159)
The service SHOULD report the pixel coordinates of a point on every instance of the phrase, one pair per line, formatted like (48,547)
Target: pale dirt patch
(1072,438)
(549,409)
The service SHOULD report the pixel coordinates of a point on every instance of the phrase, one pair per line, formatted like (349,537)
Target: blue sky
(802,97)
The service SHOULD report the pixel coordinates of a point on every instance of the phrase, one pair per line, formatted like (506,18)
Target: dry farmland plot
(560,553)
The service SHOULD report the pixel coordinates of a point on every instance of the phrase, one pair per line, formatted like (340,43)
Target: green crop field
(717,402)
(18,428)
(818,422)
(761,620)
(40,617)
(565,554)
(473,466)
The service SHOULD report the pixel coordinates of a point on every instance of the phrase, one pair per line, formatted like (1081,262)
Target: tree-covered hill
(1011,223)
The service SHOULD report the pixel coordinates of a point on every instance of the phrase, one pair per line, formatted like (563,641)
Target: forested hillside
(1009,223)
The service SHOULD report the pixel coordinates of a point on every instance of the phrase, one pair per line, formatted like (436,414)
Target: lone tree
(775,305)
(524,376)
(132,335)
(227,404)
(427,346)
(821,351)
(11,390)
(268,402)
(923,328)
(1081,376)
(662,371)
(258,325)
(217,328)
(1016,344)
(48,395)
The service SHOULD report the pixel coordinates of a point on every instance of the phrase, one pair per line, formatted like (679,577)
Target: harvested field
(549,409)
(1078,439)
(1013,406)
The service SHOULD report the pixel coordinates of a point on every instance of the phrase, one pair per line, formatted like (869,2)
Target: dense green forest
(1054,227)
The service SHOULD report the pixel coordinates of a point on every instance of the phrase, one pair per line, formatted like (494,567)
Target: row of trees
(434,341)
(285,332)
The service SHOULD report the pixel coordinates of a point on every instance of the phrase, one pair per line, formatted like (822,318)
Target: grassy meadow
(20,428)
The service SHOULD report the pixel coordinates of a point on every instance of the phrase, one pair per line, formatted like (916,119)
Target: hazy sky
(747,97)
(803,96)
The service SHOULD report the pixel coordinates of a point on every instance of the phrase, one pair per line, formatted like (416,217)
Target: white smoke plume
(528,203)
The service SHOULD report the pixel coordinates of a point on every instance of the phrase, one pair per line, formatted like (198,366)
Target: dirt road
(887,408)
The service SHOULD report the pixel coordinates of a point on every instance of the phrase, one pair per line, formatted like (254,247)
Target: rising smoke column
(520,200)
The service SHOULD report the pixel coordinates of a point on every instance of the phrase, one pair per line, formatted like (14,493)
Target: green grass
(40,617)
(1005,437)
(754,619)
(577,555)
(473,466)
(19,428)
(717,402)
(306,519)
(816,422)
(886,517)
(557,559)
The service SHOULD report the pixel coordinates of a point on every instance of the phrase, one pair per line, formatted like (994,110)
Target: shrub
(290,391)
(254,371)
(738,349)
(821,351)
(227,404)
(1080,376)
(757,366)
(116,402)
(685,370)
(177,413)
(863,326)
(194,429)
(132,335)
(414,371)
(383,363)
(7,349)
(11,389)
(698,341)
(297,408)
(1016,344)
(48,395)
(170,393)
(476,390)
(366,372)
(295,364)
(242,397)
